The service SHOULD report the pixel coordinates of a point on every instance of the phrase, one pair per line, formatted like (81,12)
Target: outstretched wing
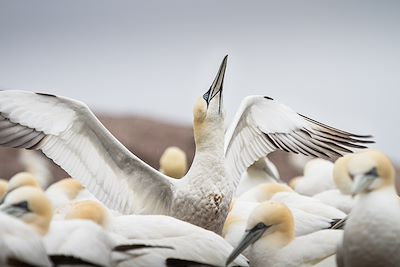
(70,134)
(262,125)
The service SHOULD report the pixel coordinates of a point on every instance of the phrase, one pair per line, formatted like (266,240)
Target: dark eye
(259,226)
(372,172)
(205,96)
(22,205)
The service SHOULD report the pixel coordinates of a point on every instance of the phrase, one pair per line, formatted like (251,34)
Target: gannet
(339,198)
(371,230)
(67,191)
(22,179)
(160,233)
(173,162)
(69,133)
(37,165)
(317,178)
(284,194)
(3,187)
(19,244)
(271,240)
(261,171)
(304,222)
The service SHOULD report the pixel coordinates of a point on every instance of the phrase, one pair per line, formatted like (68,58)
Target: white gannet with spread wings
(70,134)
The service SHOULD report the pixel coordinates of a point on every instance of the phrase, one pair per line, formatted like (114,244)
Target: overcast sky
(335,61)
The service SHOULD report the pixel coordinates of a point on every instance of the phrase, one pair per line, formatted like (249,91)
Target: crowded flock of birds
(230,208)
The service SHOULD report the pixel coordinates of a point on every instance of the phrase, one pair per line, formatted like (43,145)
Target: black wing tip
(127,247)
(269,98)
(45,94)
(71,261)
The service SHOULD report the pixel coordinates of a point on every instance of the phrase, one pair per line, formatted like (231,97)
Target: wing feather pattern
(262,125)
(69,133)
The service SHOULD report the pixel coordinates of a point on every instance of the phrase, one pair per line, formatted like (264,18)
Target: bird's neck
(208,162)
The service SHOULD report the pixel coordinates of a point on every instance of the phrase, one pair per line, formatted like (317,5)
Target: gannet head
(88,210)
(293,182)
(341,177)
(266,219)
(3,187)
(68,186)
(30,205)
(370,170)
(173,162)
(208,110)
(22,179)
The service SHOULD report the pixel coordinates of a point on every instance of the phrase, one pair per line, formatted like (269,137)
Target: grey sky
(335,61)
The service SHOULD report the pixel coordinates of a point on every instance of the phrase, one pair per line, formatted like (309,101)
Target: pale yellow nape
(40,209)
(71,187)
(293,182)
(3,188)
(173,162)
(22,179)
(341,177)
(88,210)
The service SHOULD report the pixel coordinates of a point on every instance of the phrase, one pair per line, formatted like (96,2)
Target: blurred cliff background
(141,64)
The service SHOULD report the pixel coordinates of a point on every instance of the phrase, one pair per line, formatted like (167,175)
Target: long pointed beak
(218,83)
(361,183)
(249,238)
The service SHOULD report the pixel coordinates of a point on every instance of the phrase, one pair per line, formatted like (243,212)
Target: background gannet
(173,162)
(22,179)
(3,187)
(317,178)
(270,236)
(371,230)
(340,197)
(37,165)
(68,132)
(261,171)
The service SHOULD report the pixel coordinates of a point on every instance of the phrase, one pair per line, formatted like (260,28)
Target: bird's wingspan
(263,125)
(70,134)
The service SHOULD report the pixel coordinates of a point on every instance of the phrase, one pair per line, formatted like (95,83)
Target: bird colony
(230,208)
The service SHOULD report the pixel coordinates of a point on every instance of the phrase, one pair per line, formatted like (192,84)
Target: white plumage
(374,222)
(19,242)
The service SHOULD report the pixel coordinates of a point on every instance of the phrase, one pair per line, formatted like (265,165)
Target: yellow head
(276,217)
(22,179)
(30,205)
(341,177)
(269,220)
(3,187)
(70,187)
(88,210)
(370,170)
(173,162)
